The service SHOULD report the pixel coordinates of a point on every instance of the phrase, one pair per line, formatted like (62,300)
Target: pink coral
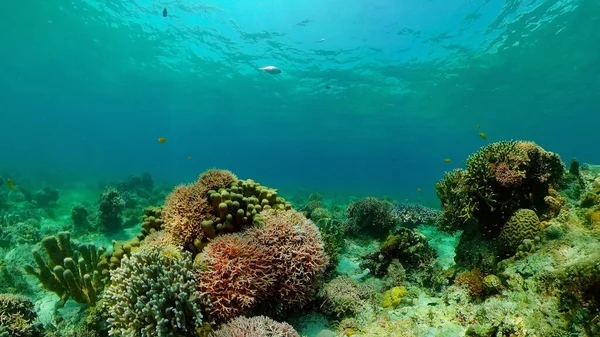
(236,272)
(508,177)
(260,326)
(297,252)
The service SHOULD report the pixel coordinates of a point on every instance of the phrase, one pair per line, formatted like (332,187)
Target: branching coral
(344,297)
(259,326)
(183,212)
(153,294)
(280,261)
(17,316)
(297,251)
(236,273)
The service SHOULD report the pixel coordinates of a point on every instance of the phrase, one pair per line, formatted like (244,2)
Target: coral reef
(46,197)
(408,246)
(110,210)
(153,293)
(524,224)
(280,261)
(236,273)
(17,317)
(258,326)
(499,179)
(343,297)
(370,216)
(412,215)
(68,272)
(80,217)
(152,221)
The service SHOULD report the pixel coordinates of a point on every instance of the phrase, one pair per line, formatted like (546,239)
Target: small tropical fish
(418,189)
(165,12)
(478,126)
(189,157)
(447,160)
(10,184)
(162,139)
(321,40)
(327,87)
(271,70)
(482,135)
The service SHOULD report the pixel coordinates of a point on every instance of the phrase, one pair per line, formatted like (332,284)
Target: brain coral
(260,326)
(153,294)
(524,224)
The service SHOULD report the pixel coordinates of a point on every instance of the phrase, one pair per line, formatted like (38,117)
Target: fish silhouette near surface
(271,70)
(165,13)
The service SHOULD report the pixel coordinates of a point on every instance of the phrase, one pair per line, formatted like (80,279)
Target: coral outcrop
(17,317)
(153,293)
(258,326)
(370,216)
(68,272)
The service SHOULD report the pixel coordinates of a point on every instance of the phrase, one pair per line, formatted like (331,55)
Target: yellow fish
(418,189)
(447,160)
(162,139)
(10,184)
(482,135)
(189,157)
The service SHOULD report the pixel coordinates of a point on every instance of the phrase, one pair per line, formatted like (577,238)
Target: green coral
(70,273)
(152,220)
(17,316)
(524,224)
(235,207)
(393,297)
(153,293)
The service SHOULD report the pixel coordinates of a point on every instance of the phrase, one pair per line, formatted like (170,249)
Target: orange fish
(482,135)
(447,160)
(162,139)
(189,157)
(10,184)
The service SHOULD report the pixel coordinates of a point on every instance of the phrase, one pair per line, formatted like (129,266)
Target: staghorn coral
(524,224)
(236,273)
(69,273)
(258,326)
(370,216)
(17,316)
(153,293)
(297,252)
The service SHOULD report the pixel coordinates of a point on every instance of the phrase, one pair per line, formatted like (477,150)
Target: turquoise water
(87,87)
(375,98)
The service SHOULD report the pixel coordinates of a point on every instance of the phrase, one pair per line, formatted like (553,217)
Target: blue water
(87,87)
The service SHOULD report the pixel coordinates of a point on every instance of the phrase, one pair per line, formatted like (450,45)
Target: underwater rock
(369,216)
(46,197)
(408,246)
(111,207)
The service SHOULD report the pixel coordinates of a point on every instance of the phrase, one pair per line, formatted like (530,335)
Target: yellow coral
(393,297)
(524,224)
